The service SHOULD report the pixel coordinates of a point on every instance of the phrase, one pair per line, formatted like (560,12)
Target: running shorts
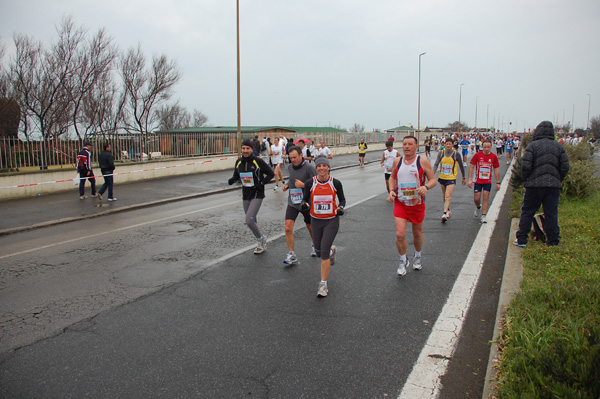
(291,213)
(485,187)
(387,176)
(465,151)
(445,182)
(414,214)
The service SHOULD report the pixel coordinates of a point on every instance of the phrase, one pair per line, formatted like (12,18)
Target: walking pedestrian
(483,163)
(254,173)
(412,177)
(299,171)
(544,166)
(447,159)
(319,197)
(106,162)
(84,167)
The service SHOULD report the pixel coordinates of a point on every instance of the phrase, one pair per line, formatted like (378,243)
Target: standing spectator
(106,162)
(543,168)
(84,167)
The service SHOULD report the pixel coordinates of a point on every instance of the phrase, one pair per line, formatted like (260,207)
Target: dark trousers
(108,183)
(83,176)
(533,198)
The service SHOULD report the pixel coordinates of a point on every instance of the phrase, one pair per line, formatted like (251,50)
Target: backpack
(263,146)
(81,163)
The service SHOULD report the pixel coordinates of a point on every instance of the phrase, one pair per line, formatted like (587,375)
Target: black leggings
(324,232)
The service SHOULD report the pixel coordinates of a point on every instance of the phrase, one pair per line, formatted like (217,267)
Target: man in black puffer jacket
(543,168)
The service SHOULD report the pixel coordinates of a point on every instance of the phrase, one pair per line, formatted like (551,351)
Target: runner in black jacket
(254,173)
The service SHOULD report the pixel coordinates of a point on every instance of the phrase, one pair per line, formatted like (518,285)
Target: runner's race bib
(484,173)
(446,169)
(388,170)
(296,195)
(247,179)
(408,190)
(323,204)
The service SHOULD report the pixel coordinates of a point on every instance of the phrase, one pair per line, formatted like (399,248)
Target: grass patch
(551,339)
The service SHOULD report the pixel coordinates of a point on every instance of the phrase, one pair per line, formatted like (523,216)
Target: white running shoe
(313,252)
(332,255)
(444,217)
(261,246)
(112,199)
(476,213)
(275,188)
(290,259)
(483,219)
(417,265)
(83,197)
(322,291)
(402,267)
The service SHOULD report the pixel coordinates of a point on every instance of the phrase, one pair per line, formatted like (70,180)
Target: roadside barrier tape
(113,174)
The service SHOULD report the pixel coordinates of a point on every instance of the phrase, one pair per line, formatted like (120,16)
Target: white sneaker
(332,255)
(83,197)
(507,162)
(402,267)
(322,291)
(112,199)
(275,188)
(290,259)
(261,246)
(483,219)
(444,217)
(476,212)
(417,265)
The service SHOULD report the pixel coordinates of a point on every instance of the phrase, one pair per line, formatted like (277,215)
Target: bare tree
(199,119)
(455,126)
(357,128)
(173,116)
(93,63)
(145,89)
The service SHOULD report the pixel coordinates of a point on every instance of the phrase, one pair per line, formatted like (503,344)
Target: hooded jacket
(545,162)
(261,172)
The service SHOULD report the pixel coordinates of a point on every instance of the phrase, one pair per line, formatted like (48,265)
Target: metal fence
(18,155)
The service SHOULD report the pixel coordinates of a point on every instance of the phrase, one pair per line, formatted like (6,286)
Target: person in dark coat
(84,158)
(543,168)
(106,162)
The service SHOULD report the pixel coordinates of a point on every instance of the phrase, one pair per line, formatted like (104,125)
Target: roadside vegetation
(550,344)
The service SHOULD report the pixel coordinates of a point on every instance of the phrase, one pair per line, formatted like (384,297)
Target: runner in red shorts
(411,178)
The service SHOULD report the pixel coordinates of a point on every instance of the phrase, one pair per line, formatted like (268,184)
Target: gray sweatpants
(251,208)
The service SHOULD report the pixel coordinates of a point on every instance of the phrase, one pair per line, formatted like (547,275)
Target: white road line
(133,226)
(424,379)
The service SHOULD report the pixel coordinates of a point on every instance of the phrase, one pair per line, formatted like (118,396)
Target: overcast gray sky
(340,62)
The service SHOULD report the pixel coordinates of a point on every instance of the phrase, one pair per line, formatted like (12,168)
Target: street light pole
(238,138)
(459,105)
(589,102)
(487,119)
(419,106)
(573,119)
(476,98)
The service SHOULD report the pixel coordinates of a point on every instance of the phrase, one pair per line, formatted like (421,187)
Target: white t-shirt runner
(388,162)
(277,156)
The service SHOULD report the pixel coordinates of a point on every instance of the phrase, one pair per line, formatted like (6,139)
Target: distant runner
(387,161)
(362,151)
(484,162)
(447,160)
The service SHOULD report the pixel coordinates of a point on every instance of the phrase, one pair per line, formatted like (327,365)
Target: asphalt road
(169,301)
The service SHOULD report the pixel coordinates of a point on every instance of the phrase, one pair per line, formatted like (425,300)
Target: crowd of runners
(319,197)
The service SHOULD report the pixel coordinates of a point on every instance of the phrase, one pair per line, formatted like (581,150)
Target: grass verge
(550,344)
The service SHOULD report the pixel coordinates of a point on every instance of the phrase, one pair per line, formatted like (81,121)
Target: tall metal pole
(487,119)
(419,106)
(239,112)
(476,98)
(459,106)
(573,119)
(589,102)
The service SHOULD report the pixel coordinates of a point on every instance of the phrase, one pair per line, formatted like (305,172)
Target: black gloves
(231,181)
(340,210)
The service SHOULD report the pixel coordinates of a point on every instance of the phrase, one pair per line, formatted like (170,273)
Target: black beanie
(247,143)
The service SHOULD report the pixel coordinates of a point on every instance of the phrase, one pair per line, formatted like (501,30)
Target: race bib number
(296,195)
(485,173)
(388,170)
(322,204)
(247,179)
(446,169)
(408,190)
